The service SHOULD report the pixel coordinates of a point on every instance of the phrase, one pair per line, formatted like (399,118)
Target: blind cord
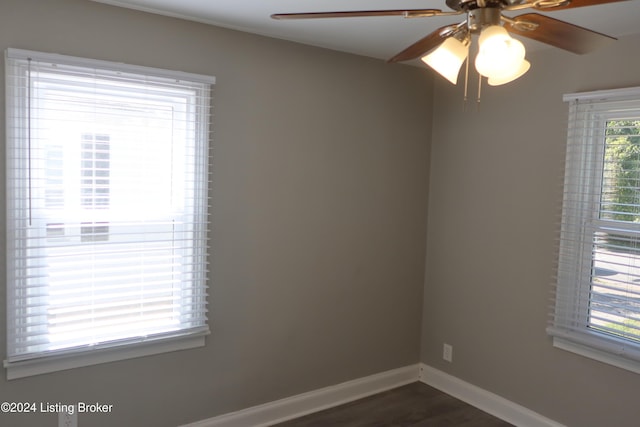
(29,135)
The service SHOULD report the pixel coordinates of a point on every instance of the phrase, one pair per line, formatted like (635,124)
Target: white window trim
(114,351)
(109,65)
(585,342)
(590,350)
(32,367)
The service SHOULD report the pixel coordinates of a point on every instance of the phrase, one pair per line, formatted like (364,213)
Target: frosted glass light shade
(491,35)
(500,57)
(447,59)
(497,81)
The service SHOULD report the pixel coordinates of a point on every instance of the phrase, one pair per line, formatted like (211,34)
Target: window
(597,298)
(107,174)
(94,171)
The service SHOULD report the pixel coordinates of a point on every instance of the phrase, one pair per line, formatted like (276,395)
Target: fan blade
(406,13)
(425,44)
(557,33)
(578,3)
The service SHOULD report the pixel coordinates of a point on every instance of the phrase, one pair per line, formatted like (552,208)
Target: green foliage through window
(621,178)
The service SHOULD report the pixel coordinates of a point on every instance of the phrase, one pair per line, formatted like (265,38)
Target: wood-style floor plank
(414,405)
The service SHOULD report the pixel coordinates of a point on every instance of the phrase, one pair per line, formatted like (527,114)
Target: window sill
(599,355)
(87,358)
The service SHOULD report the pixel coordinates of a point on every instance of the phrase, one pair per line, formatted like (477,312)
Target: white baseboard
(484,400)
(317,400)
(328,397)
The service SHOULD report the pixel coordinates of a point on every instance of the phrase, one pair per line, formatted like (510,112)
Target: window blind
(597,291)
(107,200)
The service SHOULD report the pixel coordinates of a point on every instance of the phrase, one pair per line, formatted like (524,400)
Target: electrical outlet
(68,419)
(447,352)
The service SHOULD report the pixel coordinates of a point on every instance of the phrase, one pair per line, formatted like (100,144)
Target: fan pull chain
(479,91)
(466,86)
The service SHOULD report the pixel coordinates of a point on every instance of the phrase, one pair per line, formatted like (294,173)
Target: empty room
(216,217)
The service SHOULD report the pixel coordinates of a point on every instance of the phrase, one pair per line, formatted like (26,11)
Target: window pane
(614,305)
(621,173)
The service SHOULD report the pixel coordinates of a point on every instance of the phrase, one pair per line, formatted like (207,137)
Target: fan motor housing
(477,19)
(475,4)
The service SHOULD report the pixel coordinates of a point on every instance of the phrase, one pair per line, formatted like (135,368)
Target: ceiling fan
(500,57)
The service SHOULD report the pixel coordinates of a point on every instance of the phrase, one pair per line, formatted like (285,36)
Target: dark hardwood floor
(413,405)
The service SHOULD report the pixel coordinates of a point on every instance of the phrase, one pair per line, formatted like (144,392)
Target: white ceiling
(377,37)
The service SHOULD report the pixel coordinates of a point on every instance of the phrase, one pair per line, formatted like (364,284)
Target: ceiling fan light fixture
(447,59)
(500,57)
(491,35)
(497,81)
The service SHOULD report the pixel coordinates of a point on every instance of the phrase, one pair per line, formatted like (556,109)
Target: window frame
(584,167)
(111,351)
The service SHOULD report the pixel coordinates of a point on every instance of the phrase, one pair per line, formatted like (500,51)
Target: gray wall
(321,166)
(495,197)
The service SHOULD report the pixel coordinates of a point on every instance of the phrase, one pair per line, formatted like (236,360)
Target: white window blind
(107,199)
(597,295)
